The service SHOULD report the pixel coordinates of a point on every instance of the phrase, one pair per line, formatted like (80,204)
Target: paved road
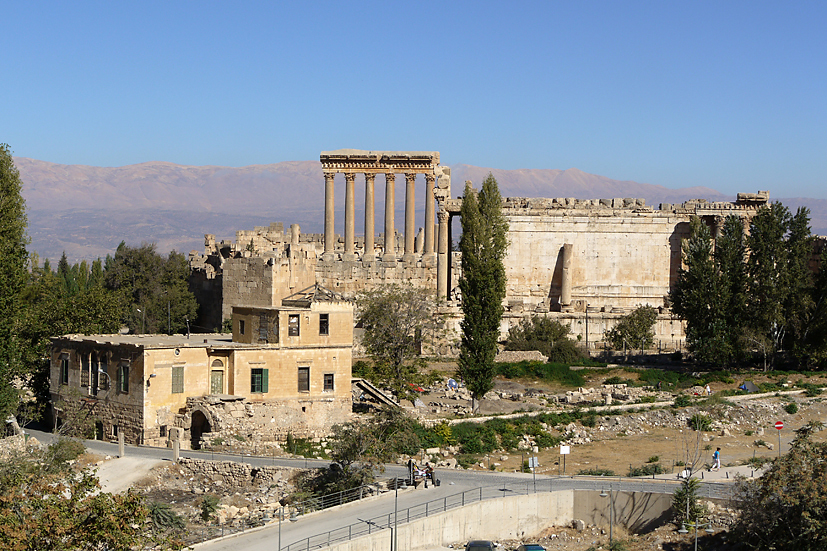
(457,487)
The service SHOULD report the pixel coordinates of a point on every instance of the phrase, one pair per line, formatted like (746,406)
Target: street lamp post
(695,525)
(143,318)
(611,497)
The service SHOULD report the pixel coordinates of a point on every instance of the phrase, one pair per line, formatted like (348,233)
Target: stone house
(284,369)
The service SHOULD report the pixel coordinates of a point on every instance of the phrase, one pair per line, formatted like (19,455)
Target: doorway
(216,382)
(200,424)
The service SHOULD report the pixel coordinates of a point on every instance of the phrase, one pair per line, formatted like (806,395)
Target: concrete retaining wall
(518,517)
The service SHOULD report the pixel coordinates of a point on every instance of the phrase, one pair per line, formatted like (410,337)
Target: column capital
(443,216)
(350,177)
(410,177)
(390,177)
(430,178)
(370,176)
(329,175)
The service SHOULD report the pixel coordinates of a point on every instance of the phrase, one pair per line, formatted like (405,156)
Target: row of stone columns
(390,230)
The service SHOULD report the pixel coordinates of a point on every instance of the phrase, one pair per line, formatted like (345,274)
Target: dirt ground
(618,451)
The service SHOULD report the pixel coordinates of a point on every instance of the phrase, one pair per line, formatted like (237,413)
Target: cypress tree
(13,277)
(483,245)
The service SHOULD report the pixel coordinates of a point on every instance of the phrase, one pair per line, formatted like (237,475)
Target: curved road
(457,487)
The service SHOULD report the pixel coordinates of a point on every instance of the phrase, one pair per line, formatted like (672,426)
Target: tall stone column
(329,231)
(350,216)
(410,220)
(368,255)
(443,257)
(565,287)
(429,216)
(390,230)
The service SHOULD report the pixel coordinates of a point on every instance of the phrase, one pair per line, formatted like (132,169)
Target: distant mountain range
(86,210)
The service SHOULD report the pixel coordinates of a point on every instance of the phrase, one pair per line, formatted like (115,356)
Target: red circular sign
(779,425)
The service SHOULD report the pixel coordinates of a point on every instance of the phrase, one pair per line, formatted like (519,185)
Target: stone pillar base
(389,257)
(350,257)
(409,258)
(368,258)
(328,257)
(429,260)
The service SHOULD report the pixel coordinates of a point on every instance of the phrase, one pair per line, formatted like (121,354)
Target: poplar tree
(13,275)
(483,245)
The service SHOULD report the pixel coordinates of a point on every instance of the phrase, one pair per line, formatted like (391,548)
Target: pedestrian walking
(716,460)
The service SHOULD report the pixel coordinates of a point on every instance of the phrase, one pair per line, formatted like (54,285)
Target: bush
(209,506)
(653,459)
(686,496)
(635,330)
(63,450)
(811,390)
(589,420)
(547,335)
(548,372)
(164,518)
(682,401)
(700,422)
(596,472)
(791,408)
(646,470)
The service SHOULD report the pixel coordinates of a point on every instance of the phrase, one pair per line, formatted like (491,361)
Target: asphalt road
(457,487)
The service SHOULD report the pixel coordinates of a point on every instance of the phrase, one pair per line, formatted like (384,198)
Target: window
(293,325)
(64,369)
(304,379)
(259,380)
(84,370)
(324,324)
(123,378)
(103,373)
(328,381)
(178,379)
(241,327)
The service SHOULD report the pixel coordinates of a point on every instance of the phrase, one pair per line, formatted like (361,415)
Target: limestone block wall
(618,259)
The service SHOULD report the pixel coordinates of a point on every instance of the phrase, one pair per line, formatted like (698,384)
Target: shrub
(551,372)
(791,408)
(811,390)
(686,496)
(646,470)
(163,517)
(757,462)
(589,420)
(596,472)
(63,450)
(635,330)
(700,422)
(760,444)
(653,459)
(209,505)
(682,401)
(749,432)
(547,335)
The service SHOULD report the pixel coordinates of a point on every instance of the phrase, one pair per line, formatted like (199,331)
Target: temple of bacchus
(578,260)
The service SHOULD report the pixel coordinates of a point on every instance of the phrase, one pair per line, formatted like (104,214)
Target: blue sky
(730,95)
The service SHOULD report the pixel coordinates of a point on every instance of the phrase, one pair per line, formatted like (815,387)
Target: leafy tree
(730,256)
(695,296)
(359,449)
(45,505)
(395,318)
(634,330)
(547,335)
(483,244)
(787,507)
(684,499)
(155,285)
(13,276)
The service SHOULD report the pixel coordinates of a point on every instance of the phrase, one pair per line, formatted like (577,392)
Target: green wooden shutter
(265,380)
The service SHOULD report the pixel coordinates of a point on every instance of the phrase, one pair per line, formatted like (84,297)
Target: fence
(720,491)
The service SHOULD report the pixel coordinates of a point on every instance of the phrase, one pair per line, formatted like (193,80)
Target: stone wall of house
(270,421)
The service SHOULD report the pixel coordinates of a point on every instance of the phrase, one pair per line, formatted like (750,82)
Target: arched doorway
(199,425)
(217,377)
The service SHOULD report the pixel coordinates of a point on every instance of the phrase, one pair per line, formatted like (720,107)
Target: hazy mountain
(86,210)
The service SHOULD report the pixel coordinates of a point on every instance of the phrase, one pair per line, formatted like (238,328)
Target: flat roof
(195,340)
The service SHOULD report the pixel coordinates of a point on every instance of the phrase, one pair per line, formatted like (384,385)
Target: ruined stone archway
(198,426)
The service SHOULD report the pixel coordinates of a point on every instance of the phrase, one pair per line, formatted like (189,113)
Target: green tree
(395,318)
(482,284)
(730,262)
(696,294)
(787,507)
(13,277)
(155,288)
(634,330)
(547,335)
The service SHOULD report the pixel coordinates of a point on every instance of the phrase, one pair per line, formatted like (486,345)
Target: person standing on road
(716,460)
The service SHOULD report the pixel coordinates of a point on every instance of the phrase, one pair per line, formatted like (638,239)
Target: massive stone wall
(597,258)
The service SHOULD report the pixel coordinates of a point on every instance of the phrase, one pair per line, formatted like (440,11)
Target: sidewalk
(726,474)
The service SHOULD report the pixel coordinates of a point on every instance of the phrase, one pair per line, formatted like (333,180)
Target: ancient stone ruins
(585,262)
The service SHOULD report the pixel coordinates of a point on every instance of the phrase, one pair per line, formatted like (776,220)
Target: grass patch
(555,373)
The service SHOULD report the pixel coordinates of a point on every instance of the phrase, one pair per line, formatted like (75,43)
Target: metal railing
(708,490)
